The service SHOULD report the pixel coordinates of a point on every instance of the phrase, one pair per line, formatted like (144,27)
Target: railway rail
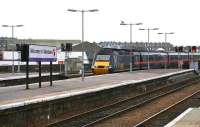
(163,117)
(90,118)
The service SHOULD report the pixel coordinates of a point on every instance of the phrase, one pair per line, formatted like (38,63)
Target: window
(103,57)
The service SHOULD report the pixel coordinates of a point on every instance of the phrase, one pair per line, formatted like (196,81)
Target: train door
(144,60)
(167,61)
(133,55)
(136,60)
(141,61)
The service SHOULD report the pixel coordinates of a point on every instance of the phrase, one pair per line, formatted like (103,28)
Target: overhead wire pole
(131,50)
(131,54)
(13,57)
(148,48)
(165,43)
(82,40)
(83,68)
(13,54)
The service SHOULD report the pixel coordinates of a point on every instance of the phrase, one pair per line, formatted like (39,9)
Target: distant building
(9,44)
(137,46)
(50,42)
(89,48)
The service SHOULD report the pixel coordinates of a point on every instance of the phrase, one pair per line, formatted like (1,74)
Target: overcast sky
(49,19)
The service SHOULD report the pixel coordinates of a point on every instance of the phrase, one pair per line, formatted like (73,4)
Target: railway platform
(45,104)
(11,76)
(14,96)
(189,118)
(10,79)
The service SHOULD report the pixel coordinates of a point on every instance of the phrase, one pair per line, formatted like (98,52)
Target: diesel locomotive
(109,60)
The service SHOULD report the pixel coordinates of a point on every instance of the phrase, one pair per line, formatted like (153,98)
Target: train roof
(153,53)
(125,51)
(111,50)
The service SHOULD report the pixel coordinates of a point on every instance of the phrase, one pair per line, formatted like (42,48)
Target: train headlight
(109,67)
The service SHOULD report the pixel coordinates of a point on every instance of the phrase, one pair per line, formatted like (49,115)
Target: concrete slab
(189,118)
(14,96)
(10,76)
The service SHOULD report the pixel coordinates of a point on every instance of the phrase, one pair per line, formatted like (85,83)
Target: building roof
(50,42)
(87,46)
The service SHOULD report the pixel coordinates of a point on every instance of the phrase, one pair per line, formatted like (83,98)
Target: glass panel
(103,57)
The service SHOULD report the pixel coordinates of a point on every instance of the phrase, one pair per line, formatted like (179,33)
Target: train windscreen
(103,57)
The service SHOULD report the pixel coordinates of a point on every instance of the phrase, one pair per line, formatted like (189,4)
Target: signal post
(66,48)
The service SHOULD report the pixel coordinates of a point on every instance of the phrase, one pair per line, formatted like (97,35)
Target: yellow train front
(101,67)
(110,60)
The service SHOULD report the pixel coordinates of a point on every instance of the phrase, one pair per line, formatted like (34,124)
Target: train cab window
(103,57)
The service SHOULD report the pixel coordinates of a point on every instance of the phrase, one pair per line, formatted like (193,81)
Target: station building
(90,49)
(74,58)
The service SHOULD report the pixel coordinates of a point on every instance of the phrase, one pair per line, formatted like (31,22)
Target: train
(109,60)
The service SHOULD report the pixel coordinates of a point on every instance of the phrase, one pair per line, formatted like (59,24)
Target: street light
(13,65)
(148,30)
(130,24)
(165,41)
(82,40)
(165,37)
(165,33)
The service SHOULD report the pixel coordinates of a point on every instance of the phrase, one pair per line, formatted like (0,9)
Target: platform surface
(14,96)
(10,76)
(189,118)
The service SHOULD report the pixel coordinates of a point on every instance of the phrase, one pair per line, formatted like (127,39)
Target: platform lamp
(165,33)
(148,30)
(165,37)
(131,54)
(13,64)
(82,40)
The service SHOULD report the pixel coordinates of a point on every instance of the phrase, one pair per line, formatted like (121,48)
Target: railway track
(90,118)
(163,117)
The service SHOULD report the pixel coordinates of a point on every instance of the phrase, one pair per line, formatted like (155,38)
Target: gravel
(133,117)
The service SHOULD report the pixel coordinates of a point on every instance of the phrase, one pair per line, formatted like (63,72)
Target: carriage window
(103,57)
(136,58)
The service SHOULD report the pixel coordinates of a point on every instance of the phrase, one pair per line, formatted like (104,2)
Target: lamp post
(165,41)
(82,40)
(131,53)
(13,57)
(165,37)
(148,30)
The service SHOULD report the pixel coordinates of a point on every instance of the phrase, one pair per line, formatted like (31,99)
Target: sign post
(39,74)
(51,73)
(43,53)
(66,47)
(27,74)
(25,58)
(66,58)
(38,53)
